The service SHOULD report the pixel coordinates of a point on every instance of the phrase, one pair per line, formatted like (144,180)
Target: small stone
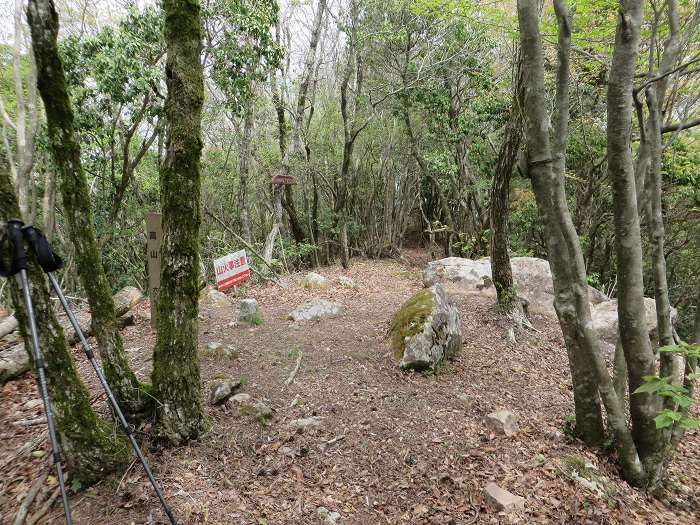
(262,412)
(214,346)
(241,398)
(314,280)
(304,424)
(38,453)
(346,282)
(221,391)
(315,309)
(218,298)
(287,451)
(249,312)
(465,399)
(328,517)
(503,422)
(503,500)
(33,403)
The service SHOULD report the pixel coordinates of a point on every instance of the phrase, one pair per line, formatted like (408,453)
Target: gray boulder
(532,277)
(314,280)
(262,412)
(469,274)
(222,390)
(249,312)
(426,330)
(315,309)
(604,317)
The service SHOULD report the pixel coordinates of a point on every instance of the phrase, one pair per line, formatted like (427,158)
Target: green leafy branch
(662,386)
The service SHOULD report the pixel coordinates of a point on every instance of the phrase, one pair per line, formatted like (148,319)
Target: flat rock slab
(503,500)
(503,422)
(304,424)
(316,309)
(346,282)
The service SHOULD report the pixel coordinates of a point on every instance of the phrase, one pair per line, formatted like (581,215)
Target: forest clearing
(349,261)
(390,447)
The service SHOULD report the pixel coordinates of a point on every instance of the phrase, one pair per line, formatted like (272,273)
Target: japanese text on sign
(231,269)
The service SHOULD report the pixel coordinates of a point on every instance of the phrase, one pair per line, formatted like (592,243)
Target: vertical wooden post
(154,233)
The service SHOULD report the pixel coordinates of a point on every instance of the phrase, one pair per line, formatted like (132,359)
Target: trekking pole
(19,265)
(49,262)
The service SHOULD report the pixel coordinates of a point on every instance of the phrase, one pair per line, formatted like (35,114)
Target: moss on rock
(410,319)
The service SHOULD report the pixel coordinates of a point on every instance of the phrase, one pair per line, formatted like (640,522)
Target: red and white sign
(231,269)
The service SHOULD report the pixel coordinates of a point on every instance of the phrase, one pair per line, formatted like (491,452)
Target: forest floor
(393,447)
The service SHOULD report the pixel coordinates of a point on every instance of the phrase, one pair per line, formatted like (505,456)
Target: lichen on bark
(176,377)
(90,448)
(65,149)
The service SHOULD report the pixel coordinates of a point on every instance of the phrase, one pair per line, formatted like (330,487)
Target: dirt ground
(393,447)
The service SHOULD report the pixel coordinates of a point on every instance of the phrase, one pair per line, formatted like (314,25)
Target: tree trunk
(43,21)
(655,96)
(295,150)
(696,330)
(244,169)
(563,247)
(88,444)
(498,213)
(500,194)
(268,250)
(628,245)
(176,379)
(49,205)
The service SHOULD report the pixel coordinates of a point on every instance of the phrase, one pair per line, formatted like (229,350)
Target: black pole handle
(15,244)
(48,259)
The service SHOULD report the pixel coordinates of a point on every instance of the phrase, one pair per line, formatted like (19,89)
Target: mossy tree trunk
(65,148)
(176,379)
(89,447)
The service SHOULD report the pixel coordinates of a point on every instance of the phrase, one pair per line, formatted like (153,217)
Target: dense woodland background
(428,89)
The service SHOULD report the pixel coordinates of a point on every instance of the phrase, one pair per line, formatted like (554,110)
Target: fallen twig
(23,511)
(44,508)
(335,439)
(30,422)
(294,372)
(124,476)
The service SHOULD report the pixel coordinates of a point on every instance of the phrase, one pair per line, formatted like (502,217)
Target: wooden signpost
(154,234)
(283,180)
